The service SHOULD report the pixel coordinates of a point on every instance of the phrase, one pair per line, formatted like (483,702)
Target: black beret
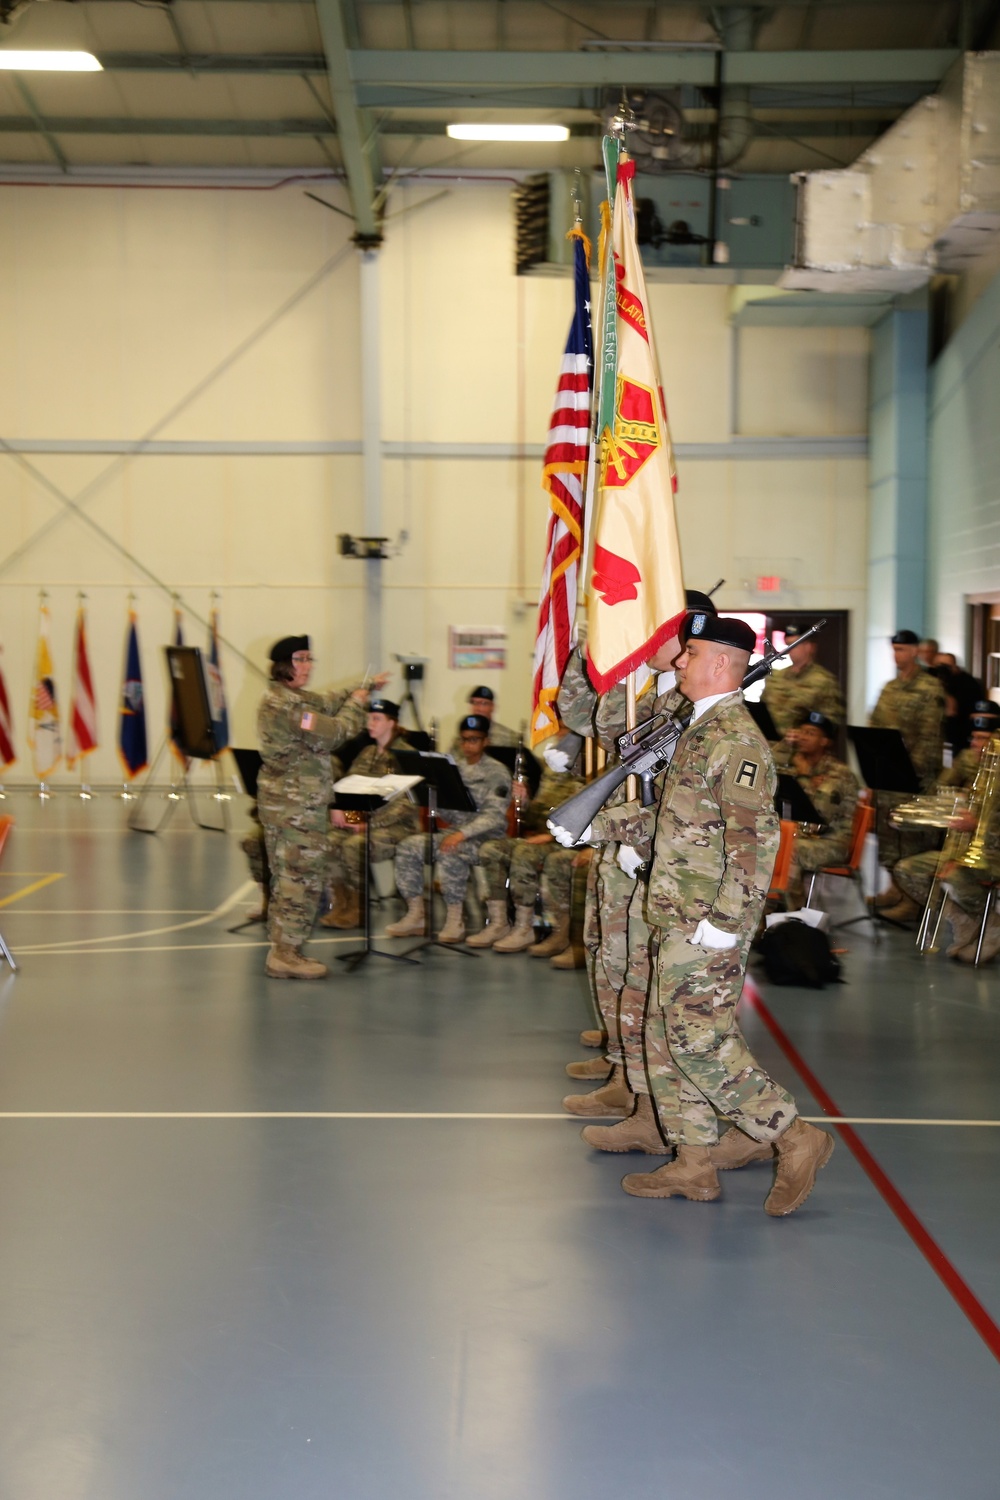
(482,692)
(821,722)
(696,600)
(722,632)
(985,716)
(474,724)
(286,648)
(792,633)
(383,706)
(906,638)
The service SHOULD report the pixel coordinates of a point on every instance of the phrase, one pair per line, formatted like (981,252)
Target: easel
(195,739)
(366,803)
(441,787)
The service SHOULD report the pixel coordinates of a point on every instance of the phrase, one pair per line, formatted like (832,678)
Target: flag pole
(125,795)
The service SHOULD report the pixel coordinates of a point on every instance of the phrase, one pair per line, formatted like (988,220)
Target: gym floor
(284,1241)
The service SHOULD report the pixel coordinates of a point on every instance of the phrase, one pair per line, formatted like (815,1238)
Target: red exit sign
(768,584)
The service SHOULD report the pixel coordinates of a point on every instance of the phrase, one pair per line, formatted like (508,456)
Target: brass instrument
(983,801)
(520,775)
(931,810)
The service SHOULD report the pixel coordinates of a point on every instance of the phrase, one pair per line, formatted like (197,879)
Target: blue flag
(132,731)
(216,688)
(175,716)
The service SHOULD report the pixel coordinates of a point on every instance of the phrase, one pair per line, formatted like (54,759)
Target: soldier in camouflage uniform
(297,731)
(482,702)
(390,824)
(530,860)
(457,849)
(912,702)
(802,688)
(714,841)
(831,787)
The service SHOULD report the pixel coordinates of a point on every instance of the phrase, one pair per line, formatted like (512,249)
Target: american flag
(564,477)
(7,756)
(82,737)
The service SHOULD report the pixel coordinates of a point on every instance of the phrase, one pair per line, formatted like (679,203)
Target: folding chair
(6,824)
(864,822)
(783,861)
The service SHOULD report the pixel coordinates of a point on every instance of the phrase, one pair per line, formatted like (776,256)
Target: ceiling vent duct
(924,198)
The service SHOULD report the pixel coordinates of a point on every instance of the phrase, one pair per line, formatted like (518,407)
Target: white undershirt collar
(665,682)
(704,704)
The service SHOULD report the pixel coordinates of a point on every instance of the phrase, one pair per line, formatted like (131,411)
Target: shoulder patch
(307,720)
(745,779)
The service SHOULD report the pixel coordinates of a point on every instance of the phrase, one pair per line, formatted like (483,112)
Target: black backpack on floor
(795,953)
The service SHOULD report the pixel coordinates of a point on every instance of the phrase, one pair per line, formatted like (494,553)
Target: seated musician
(831,786)
(390,824)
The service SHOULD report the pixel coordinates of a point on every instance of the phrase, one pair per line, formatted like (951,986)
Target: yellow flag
(44,733)
(636,596)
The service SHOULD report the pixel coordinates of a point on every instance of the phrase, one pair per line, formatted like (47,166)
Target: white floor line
(221,910)
(348,1114)
(21,951)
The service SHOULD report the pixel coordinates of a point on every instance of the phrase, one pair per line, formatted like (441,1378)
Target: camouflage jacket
(576,701)
(916,709)
(297,731)
(833,789)
(554,788)
(716,831)
(789,695)
(962,771)
(399,813)
(489,783)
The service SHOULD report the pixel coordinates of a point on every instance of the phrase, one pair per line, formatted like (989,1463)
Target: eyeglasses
(302,657)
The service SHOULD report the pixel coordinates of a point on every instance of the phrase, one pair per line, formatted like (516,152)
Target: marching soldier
(802,688)
(458,847)
(390,824)
(714,843)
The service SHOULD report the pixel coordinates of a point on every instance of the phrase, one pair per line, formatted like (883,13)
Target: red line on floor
(924,1241)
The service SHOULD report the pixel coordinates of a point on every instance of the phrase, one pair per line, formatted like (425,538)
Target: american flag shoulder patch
(308,720)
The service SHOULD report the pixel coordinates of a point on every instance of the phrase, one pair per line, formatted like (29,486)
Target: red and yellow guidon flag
(636,596)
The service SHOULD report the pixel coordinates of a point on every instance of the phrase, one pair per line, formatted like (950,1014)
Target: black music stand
(507,756)
(441,788)
(248,764)
(793,803)
(366,802)
(885,763)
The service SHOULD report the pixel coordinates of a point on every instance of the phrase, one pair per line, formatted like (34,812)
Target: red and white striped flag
(7,756)
(565,477)
(82,737)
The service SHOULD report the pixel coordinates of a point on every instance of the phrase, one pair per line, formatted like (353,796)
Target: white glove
(564,837)
(555,759)
(707,936)
(629,860)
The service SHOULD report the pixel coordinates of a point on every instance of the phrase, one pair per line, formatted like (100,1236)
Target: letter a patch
(745,781)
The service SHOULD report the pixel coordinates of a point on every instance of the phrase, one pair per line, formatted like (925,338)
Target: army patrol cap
(985,715)
(286,648)
(821,722)
(702,626)
(474,724)
(906,638)
(383,706)
(481,692)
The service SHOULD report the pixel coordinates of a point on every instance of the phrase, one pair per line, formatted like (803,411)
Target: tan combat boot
(556,942)
(412,923)
(905,910)
(614,1099)
(738,1150)
(639,1132)
(346,911)
(891,896)
(990,948)
(453,930)
(573,957)
(593,1067)
(496,927)
(690,1175)
(286,963)
(522,935)
(964,930)
(593,1037)
(801,1150)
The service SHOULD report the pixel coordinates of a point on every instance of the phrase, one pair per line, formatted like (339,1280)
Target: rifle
(645,751)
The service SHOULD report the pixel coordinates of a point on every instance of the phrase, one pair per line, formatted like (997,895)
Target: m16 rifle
(645,751)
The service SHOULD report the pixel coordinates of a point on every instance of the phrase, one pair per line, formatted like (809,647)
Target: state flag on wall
(7,756)
(44,731)
(636,595)
(132,729)
(564,476)
(81,738)
(216,687)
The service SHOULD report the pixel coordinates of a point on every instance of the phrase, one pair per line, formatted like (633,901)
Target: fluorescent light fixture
(509,132)
(48,62)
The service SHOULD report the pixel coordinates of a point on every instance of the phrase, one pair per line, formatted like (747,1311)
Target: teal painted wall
(964,472)
(897,486)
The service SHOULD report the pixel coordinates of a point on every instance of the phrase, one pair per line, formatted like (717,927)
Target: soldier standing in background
(390,824)
(714,844)
(483,703)
(297,733)
(801,688)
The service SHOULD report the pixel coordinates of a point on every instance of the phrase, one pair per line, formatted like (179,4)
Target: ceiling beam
(355,127)
(296,64)
(608,68)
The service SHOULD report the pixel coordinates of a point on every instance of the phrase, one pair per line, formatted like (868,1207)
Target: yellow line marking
(29,890)
(242,943)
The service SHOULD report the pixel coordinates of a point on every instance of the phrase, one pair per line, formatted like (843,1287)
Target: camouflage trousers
(529,866)
(969,888)
(812,852)
(605,939)
(298,863)
(254,847)
(915,875)
(895,844)
(643,942)
(452,869)
(347,853)
(699,1064)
